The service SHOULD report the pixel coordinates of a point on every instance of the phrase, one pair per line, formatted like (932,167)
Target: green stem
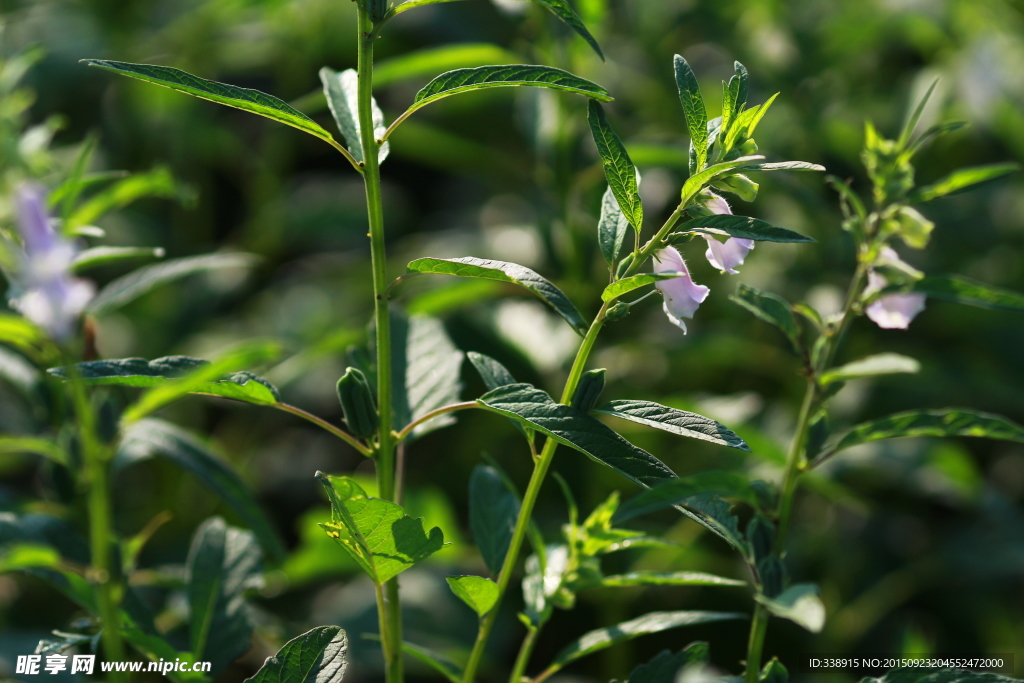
(523,658)
(758,629)
(325,425)
(391,618)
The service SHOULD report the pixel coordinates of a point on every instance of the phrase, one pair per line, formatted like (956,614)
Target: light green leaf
(104,256)
(746,123)
(436,59)
(611,227)
(965,291)
(618,167)
(156,183)
(342,91)
(871,366)
(743,227)
(505,75)
(576,429)
(479,593)
(664,667)
(783,166)
(34,444)
(667,579)
(318,656)
(232,96)
(627,285)
(493,510)
(223,563)
(693,107)
(960,180)
(469,266)
(133,285)
(673,420)
(151,438)
(800,604)
(21,334)
(564,11)
(376,533)
(18,556)
(772,309)
(696,182)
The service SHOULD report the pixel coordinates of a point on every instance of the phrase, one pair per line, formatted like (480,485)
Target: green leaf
(696,182)
(743,227)
(133,285)
(18,556)
(746,123)
(318,655)
(871,366)
(34,444)
(800,604)
(943,422)
(960,180)
(155,183)
(469,266)
(673,420)
(653,622)
(151,438)
(664,667)
(21,334)
(576,429)
(493,373)
(611,227)
(223,563)
(479,593)
(342,91)
(772,309)
(667,579)
(564,11)
(505,75)
(376,533)
(435,660)
(693,107)
(138,372)
(104,256)
(435,59)
(680,490)
(783,166)
(493,510)
(542,584)
(627,285)
(618,167)
(965,291)
(252,101)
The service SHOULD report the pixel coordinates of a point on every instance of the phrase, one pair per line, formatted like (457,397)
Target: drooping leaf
(675,421)
(479,593)
(800,604)
(564,11)
(665,665)
(576,429)
(618,167)
(505,75)
(156,438)
(743,227)
(342,91)
(694,109)
(104,256)
(965,291)
(376,533)
(783,166)
(667,579)
(872,366)
(129,287)
(229,95)
(611,227)
(627,285)
(432,60)
(772,309)
(469,266)
(493,510)
(223,563)
(319,655)
(960,180)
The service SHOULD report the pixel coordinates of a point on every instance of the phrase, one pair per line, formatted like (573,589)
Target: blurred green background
(918,545)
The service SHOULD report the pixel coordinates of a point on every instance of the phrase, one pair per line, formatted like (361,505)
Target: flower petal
(895,311)
(727,256)
(682,295)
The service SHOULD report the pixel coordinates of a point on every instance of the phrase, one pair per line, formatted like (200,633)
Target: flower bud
(914,229)
(588,390)
(617,312)
(357,404)
(740,185)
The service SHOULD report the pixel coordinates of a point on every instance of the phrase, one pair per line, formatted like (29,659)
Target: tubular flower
(725,256)
(892,311)
(44,290)
(682,295)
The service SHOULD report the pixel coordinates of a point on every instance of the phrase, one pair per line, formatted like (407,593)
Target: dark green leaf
(618,167)
(773,672)
(673,420)
(960,180)
(435,660)
(783,166)
(871,366)
(493,510)
(469,266)
(693,107)
(964,291)
(664,667)
(668,579)
(496,76)
(564,11)
(611,227)
(104,256)
(317,656)
(342,91)
(627,285)
(772,309)
(800,604)
(479,593)
(743,227)
(493,373)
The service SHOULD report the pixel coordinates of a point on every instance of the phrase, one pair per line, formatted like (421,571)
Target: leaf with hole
(479,593)
(618,167)
(319,655)
(674,421)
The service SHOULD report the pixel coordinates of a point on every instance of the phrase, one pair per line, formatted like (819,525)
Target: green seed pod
(588,390)
(761,534)
(357,404)
(748,147)
(617,312)
(740,185)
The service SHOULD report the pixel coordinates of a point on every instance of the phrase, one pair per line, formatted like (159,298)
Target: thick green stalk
(388,600)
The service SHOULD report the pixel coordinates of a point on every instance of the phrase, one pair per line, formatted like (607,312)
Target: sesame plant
(404,383)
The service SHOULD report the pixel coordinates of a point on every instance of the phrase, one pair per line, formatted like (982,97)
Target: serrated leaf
(342,91)
(493,510)
(696,182)
(965,291)
(665,665)
(743,227)
(505,75)
(376,533)
(479,593)
(627,285)
(317,656)
(564,11)
(469,266)
(674,421)
(618,167)
(105,256)
(576,429)
(961,180)
(223,563)
(252,101)
(783,166)
(129,287)
(872,366)
(694,109)
(611,227)
(772,309)
(943,422)
(667,579)
(800,604)
(151,438)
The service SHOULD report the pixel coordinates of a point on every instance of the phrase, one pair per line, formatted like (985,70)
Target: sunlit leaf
(694,109)
(696,182)
(479,593)
(961,180)
(505,75)
(611,227)
(783,166)
(318,655)
(618,167)
(564,11)
(965,291)
(674,421)
(342,91)
(667,579)
(872,366)
(743,227)
(800,604)
(432,60)
(627,285)
(104,256)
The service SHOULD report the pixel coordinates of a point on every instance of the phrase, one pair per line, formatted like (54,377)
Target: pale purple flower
(892,311)
(725,256)
(682,295)
(43,289)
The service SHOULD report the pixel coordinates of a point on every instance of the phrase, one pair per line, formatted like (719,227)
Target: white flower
(892,311)
(682,295)
(725,256)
